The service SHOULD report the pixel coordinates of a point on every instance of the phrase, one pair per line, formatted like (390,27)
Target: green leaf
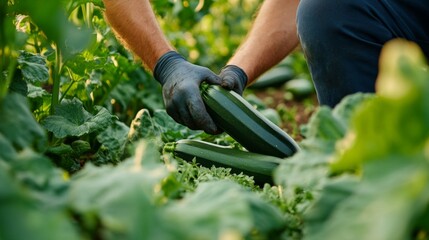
(7,151)
(113,141)
(334,193)
(65,157)
(69,38)
(18,84)
(143,126)
(76,3)
(170,129)
(111,191)
(347,108)
(71,119)
(39,99)
(221,208)
(18,124)
(38,223)
(62,149)
(323,130)
(36,92)
(304,175)
(385,205)
(43,220)
(396,121)
(387,145)
(33,67)
(124,93)
(80,147)
(33,169)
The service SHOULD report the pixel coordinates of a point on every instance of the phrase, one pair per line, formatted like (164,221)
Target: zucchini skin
(261,167)
(245,124)
(274,77)
(300,87)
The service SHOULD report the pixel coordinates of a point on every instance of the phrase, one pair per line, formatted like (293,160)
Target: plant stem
(3,86)
(56,80)
(69,87)
(89,10)
(9,61)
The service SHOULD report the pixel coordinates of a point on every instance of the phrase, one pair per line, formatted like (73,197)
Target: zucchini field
(87,150)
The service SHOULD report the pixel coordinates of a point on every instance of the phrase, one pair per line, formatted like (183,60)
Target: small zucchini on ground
(300,87)
(274,77)
(207,154)
(245,124)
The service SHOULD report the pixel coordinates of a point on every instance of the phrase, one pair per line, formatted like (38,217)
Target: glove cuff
(238,71)
(164,65)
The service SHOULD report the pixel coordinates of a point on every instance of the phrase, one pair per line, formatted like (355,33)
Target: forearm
(272,37)
(135,23)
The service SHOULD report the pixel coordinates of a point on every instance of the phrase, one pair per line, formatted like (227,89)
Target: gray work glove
(180,82)
(233,78)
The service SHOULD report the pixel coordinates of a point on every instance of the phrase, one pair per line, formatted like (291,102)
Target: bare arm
(135,22)
(272,37)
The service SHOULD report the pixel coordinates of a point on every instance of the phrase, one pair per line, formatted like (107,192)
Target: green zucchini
(207,154)
(245,124)
(274,77)
(300,87)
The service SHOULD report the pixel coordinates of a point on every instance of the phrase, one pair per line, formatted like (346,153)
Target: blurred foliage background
(208,32)
(66,59)
(72,41)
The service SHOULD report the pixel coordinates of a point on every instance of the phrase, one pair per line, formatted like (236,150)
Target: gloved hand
(233,78)
(180,82)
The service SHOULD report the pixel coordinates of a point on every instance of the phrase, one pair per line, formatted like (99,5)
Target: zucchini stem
(169,147)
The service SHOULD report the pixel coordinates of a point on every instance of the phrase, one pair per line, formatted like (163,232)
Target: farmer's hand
(233,78)
(180,82)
